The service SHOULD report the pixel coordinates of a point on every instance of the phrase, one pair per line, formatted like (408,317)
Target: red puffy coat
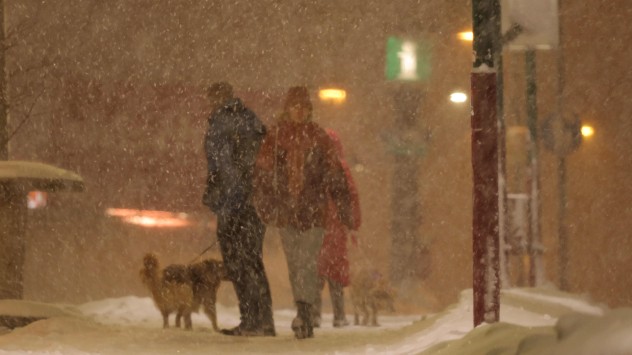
(333,260)
(297,174)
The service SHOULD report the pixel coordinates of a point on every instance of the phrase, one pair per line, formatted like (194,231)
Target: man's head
(218,93)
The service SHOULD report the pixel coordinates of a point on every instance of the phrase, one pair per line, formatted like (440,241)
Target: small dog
(206,277)
(369,293)
(183,288)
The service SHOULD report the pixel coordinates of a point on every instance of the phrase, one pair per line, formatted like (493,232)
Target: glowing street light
(333,95)
(149,218)
(458,97)
(587,131)
(467,36)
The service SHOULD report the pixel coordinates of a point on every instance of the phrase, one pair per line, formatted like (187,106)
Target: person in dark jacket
(232,142)
(297,175)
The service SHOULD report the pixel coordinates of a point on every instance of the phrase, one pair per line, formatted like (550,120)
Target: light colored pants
(301,252)
(336,293)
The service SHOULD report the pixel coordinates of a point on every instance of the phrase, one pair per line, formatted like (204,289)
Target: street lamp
(333,95)
(587,131)
(467,36)
(458,97)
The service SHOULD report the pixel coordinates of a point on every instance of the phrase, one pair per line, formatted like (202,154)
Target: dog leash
(202,253)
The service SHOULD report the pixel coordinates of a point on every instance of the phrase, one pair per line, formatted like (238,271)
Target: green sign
(407,60)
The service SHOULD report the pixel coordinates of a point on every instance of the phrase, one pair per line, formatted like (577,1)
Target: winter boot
(338,305)
(302,325)
(316,310)
(267,321)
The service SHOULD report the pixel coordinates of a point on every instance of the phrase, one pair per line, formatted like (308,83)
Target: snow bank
(532,322)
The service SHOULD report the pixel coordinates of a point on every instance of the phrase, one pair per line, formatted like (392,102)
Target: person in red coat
(333,260)
(297,176)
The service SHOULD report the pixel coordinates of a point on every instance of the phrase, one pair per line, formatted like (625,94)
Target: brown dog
(206,277)
(369,293)
(182,289)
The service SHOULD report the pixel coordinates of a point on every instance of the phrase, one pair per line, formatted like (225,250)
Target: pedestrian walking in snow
(333,260)
(232,142)
(298,173)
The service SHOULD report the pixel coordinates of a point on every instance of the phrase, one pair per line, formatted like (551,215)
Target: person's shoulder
(251,120)
(315,128)
(249,114)
(319,132)
(257,125)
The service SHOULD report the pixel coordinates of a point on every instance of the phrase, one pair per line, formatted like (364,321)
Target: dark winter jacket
(232,141)
(298,172)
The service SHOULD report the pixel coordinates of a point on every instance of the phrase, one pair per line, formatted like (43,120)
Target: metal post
(486,20)
(535,244)
(12,242)
(12,201)
(563,238)
(503,214)
(406,243)
(4,115)
(561,165)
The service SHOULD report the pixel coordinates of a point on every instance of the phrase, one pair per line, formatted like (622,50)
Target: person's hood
(234,104)
(231,105)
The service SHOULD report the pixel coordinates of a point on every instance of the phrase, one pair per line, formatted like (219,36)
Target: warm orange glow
(121,212)
(333,95)
(587,131)
(147,221)
(147,218)
(466,36)
(36,199)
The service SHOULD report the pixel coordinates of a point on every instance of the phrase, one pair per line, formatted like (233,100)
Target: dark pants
(240,237)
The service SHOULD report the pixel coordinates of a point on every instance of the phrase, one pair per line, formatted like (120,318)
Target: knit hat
(298,95)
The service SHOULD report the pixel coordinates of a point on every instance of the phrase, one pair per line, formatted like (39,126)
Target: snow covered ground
(532,322)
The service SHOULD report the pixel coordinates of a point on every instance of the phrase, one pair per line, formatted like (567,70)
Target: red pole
(485,226)
(485,204)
